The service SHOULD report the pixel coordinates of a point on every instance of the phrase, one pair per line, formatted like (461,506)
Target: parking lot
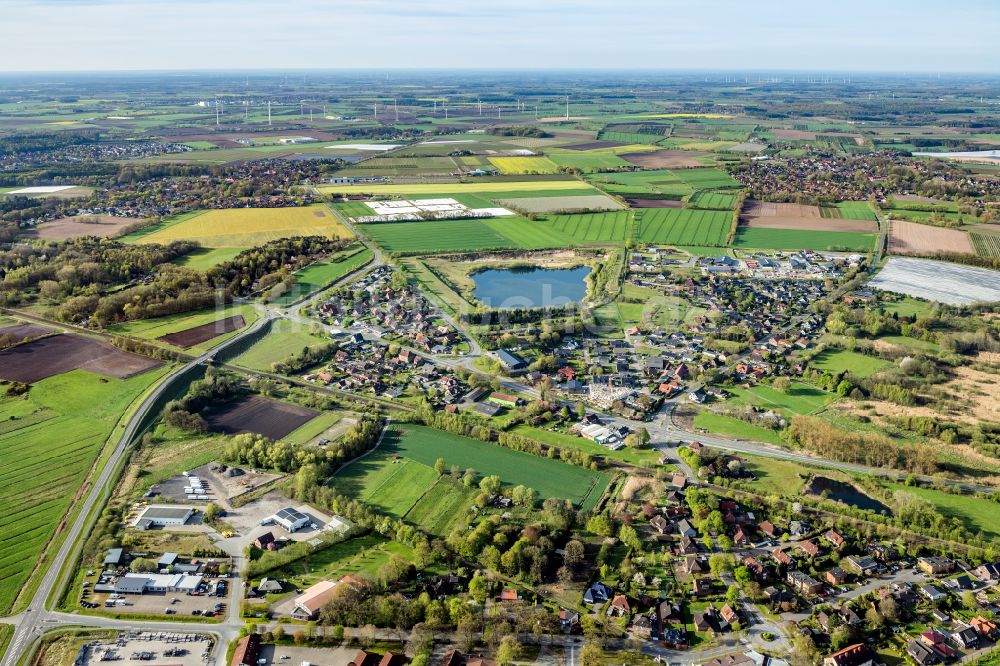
(160,603)
(151,649)
(294,656)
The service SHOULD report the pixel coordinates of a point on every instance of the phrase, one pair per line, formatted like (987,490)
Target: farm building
(291,519)
(308,603)
(134,583)
(162,516)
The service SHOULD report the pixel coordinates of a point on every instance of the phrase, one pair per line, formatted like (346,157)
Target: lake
(845,493)
(530,287)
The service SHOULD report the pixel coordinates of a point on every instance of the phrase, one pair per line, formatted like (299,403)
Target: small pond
(846,494)
(530,287)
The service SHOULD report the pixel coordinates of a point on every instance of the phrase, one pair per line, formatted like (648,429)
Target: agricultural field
(152,329)
(598,202)
(586,160)
(53,355)
(593,227)
(247,227)
(545,187)
(550,478)
(803,239)
(706,179)
(680,226)
(712,200)
(834,361)
(851,210)
(256,414)
(986,243)
(49,441)
(924,239)
(940,281)
(524,165)
(442,236)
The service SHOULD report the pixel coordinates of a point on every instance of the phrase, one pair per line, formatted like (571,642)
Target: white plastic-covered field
(939,281)
(42,189)
(364,146)
(423,209)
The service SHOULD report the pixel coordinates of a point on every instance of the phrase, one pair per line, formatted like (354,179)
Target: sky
(907,36)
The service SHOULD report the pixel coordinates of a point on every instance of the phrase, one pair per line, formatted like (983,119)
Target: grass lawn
(803,239)
(800,399)
(912,343)
(204,258)
(284,339)
(362,555)
(908,307)
(247,227)
(317,276)
(49,440)
(442,507)
(834,361)
(392,485)
(778,477)
(727,425)
(977,514)
(550,478)
(314,428)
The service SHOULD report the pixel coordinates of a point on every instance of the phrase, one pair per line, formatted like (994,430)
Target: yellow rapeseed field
(518,165)
(246,227)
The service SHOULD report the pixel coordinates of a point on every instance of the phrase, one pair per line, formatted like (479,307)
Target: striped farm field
(986,245)
(49,441)
(435,237)
(523,165)
(248,227)
(683,226)
(712,201)
(593,227)
(490,186)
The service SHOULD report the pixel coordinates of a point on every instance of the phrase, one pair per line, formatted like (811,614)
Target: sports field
(550,478)
(802,239)
(247,227)
(49,441)
(683,226)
